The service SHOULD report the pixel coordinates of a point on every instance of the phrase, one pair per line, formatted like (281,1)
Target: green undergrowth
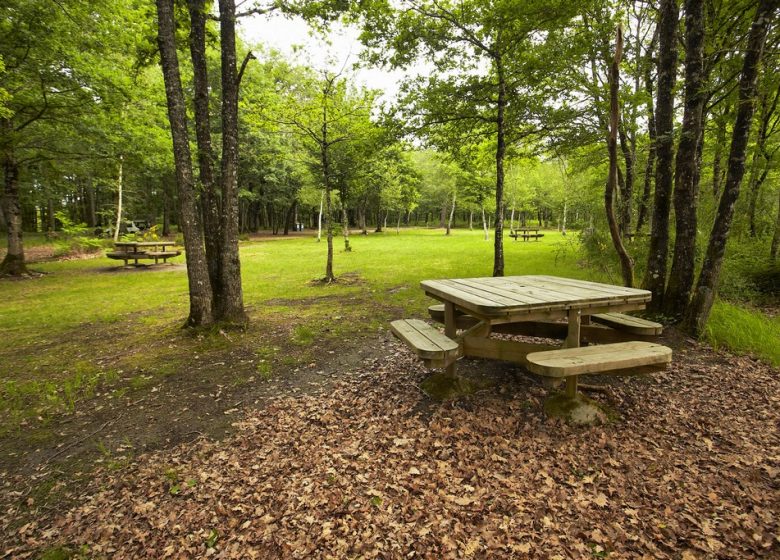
(745,331)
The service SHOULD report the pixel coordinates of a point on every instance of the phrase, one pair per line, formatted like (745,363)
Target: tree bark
(717,162)
(776,237)
(452,211)
(345,227)
(119,186)
(319,219)
(498,243)
(626,262)
(686,188)
(231,297)
(209,200)
(13,262)
(197,272)
(655,275)
(699,309)
(627,185)
(89,191)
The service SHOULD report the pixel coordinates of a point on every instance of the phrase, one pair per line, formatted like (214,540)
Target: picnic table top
(498,296)
(144,243)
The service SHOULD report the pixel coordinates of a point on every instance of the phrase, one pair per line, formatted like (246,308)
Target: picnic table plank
(516,297)
(457,296)
(598,286)
(598,359)
(427,342)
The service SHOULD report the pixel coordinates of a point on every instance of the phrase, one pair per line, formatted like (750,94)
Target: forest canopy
(649,129)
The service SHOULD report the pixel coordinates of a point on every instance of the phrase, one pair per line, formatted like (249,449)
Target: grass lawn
(87,323)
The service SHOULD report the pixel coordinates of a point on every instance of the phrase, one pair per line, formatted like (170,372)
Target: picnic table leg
(573,341)
(450,329)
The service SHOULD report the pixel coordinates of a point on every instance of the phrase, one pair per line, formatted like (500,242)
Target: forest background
(508,125)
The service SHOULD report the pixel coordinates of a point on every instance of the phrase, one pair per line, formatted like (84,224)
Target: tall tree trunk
(13,263)
(197,272)
(452,211)
(655,275)
(484,224)
(699,309)
(232,296)
(776,237)
(626,262)
(288,218)
(209,202)
(166,218)
(644,203)
(51,223)
(119,186)
(627,185)
(89,191)
(761,163)
(319,219)
(717,162)
(686,188)
(498,243)
(345,226)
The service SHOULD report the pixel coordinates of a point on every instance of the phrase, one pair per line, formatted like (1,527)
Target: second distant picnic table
(525,233)
(138,250)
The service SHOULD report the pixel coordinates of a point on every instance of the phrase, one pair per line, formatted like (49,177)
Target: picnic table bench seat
(462,320)
(432,346)
(601,358)
(628,323)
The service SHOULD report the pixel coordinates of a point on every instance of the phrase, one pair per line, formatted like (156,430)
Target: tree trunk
(655,275)
(761,163)
(699,309)
(452,211)
(345,227)
(717,162)
(498,243)
(644,203)
(166,217)
(776,237)
(209,203)
(290,215)
(119,201)
(231,297)
(13,263)
(89,191)
(319,219)
(686,188)
(626,262)
(51,223)
(197,272)
(627,186)
(484,224)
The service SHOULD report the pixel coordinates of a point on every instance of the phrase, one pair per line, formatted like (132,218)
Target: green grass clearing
(87,324)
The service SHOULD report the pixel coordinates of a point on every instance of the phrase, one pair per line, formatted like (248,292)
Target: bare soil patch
(368,466)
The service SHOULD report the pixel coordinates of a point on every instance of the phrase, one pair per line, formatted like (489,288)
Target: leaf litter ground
(372,468)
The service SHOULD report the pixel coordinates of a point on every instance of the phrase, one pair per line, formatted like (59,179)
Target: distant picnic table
(143,250)
(526,233)
(533,306)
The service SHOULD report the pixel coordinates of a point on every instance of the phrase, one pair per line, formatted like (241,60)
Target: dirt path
(370,467)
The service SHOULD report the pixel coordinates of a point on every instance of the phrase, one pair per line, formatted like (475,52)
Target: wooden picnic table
(138,250)
(534,306)
(525,233)
(498,303)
